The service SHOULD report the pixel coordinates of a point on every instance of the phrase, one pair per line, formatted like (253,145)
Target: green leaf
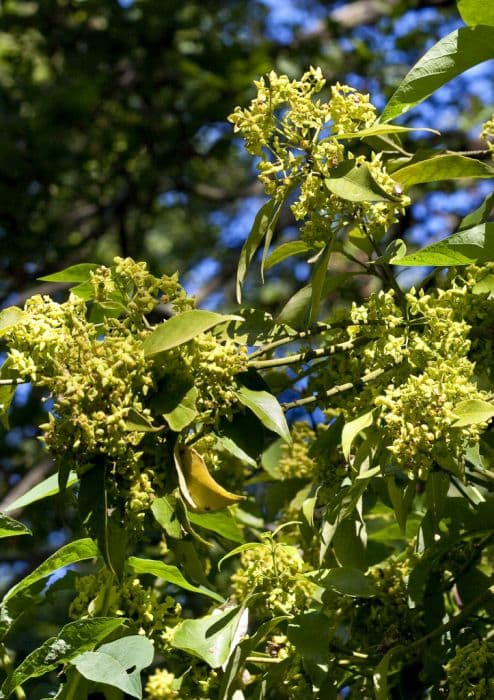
(68,554)
(168,573)
(318,279)
(286,250)
(451,56)
(465,247)
(9,318)
(346,581)
(355,183)
(10,527)
(47,487)
(442,167)
(380,130)
(105,531)
(264,224)
(73,639)
(138,422)
(210,638)
(380,676)
(111,664)
(181,328)
(352,429)
(74,273)
(238,550)
(350,543)
(474,12)
(232,677)
(471,412)
(267,409)
(7,392)
(184,412)
(229,445)
(401,497)
(163,510)
(295,311)
(222,522)
(436,492)
(311,634)
(480,215)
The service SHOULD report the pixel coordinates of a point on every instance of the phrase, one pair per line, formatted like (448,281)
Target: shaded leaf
(352,429)
(401,497)
(346,581)
(451,56)
(264,224)
(317,286)
(93,508)
(380,676)
(436,492)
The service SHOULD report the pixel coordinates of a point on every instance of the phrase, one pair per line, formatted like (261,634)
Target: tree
(303,519)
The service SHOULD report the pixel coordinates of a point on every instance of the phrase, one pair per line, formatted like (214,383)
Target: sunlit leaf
(452,55)
(181,328)
(10,527)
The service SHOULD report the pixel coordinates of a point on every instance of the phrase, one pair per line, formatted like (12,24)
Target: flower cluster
(487,134)
(149,612)
(161,685)
(295,462)
(96,380)
(299,139)
(277,571)
(90,360)
(470,672)
(210,366)
(419,355)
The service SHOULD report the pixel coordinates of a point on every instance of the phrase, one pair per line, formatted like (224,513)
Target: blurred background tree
(114,141)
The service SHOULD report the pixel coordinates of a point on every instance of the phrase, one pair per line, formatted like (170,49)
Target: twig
(339,389)
(305,356)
